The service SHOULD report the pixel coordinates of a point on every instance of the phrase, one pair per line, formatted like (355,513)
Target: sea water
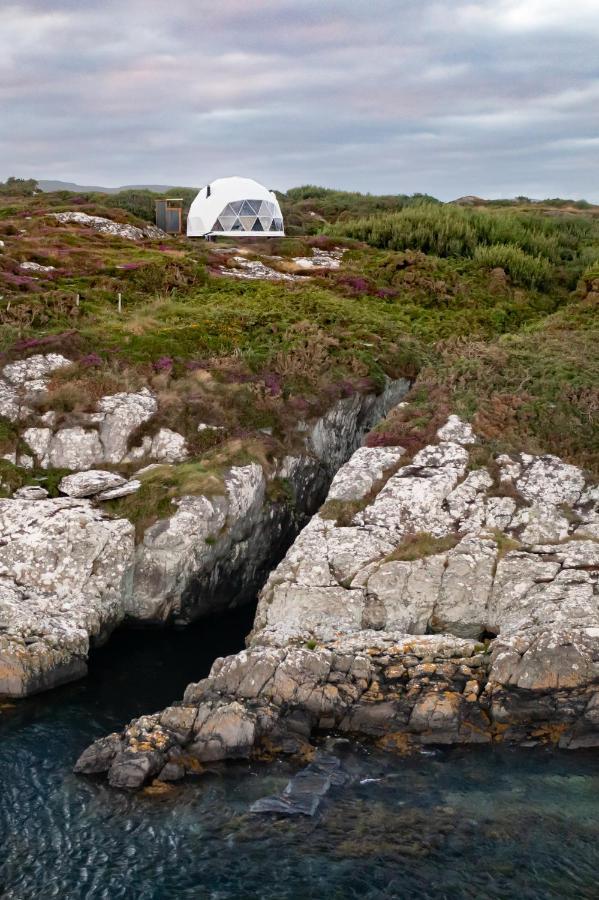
(455,823)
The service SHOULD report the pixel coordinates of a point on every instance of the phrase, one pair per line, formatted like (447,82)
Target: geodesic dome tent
(238,207)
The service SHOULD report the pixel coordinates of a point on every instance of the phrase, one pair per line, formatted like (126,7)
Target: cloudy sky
(496,98)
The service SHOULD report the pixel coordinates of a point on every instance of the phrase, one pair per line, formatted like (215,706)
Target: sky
(495,98)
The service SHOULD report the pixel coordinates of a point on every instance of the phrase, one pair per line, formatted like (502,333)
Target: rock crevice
(382,627)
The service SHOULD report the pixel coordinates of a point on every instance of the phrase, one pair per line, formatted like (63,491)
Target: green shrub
(531,271)
(453,231)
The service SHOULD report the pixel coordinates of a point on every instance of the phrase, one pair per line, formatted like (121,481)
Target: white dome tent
(235,207)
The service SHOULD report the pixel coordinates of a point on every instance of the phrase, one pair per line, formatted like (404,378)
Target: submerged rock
(303,795)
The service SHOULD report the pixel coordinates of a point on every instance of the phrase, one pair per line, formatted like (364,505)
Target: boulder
(119,415)
(123,490)
(87,484)
(31,492)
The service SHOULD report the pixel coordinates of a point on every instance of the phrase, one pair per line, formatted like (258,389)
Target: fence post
(76,299)
(120,302)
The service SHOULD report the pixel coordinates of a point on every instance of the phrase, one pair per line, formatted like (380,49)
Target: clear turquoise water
(457,824)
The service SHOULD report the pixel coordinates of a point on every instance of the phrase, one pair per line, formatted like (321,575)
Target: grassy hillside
(492,312)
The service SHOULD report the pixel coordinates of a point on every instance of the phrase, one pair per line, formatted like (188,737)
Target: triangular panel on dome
(217,226)
(236,205)
(247,222)
(254,205)
(274,226)
(226,222)
(265,222)
(257,226)
(236,226)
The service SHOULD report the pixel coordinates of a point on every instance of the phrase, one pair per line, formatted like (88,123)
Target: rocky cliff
(431,600)
(70,571)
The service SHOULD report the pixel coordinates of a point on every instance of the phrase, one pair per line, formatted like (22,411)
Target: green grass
(416,297)
(420,545)
(160,486)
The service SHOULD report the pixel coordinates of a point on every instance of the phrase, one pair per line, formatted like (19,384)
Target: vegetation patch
(159,487)
(422,544)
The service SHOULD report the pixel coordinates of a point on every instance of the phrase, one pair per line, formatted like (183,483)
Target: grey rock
(86,484)
(457,431)
(129,487)
(304,793)
(107,226)
(549,480)
(357,477)
(31,492)
(98,757)
(130,769)
(119,416)
(22,379)
(64,575)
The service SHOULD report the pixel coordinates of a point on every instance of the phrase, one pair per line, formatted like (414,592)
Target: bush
(524,269)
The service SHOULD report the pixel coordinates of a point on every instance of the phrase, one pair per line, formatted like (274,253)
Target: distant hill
(47,186)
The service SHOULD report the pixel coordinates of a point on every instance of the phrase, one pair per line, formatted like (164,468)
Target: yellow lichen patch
(141,746)
(373,694)
(498,730)
(397,742)
(394,672)
(191,764)
(550,733)
(158,789)
(268,750)
(470,728)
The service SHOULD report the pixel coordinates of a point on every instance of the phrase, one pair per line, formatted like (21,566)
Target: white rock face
(119,416)
(65,573)
(79,574)
(367,465)
(36,267)
(340,640)
(86,484)
(185,546)
(21,380)
(457,431)
(341,579)
(105,440)
(168,446)
(107,226)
